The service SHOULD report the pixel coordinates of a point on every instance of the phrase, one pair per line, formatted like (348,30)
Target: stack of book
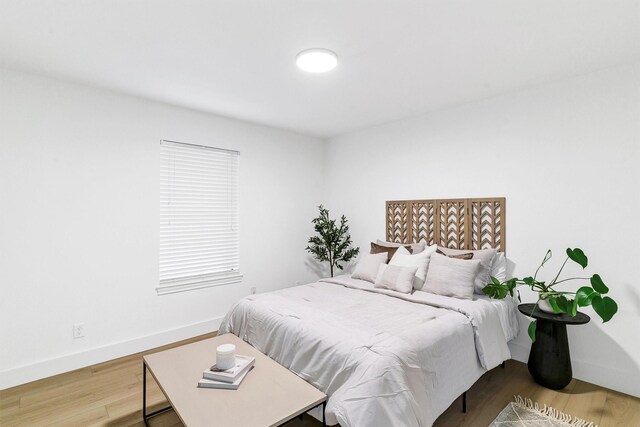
(229,378)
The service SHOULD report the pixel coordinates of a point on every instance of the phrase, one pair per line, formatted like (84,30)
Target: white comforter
(383,358)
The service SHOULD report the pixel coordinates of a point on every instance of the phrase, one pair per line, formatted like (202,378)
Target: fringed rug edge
(552,412)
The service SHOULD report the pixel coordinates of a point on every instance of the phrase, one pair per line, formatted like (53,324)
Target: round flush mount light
(316,60)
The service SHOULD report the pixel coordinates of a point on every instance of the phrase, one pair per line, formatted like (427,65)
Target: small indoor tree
(332,242)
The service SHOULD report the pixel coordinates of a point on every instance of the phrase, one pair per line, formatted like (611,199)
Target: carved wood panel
(397,222)
(423,225)
(487,224)
(455,223)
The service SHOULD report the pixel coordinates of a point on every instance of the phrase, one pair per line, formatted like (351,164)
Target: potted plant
(552,300)
(332,243)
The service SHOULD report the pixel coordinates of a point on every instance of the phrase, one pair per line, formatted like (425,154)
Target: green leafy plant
(560,301)
(332,242)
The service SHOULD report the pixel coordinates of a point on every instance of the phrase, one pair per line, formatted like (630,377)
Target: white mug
(225,356)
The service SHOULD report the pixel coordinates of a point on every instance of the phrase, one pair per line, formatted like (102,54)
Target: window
(199,217)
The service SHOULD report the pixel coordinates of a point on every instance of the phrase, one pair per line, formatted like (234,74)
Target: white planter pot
(544,305)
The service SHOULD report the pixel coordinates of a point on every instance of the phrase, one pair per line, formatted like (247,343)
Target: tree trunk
(331,262)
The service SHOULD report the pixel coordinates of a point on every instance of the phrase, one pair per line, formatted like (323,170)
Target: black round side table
(549,359)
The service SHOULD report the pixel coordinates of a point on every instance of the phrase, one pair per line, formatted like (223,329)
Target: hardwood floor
(110,394)
(496,388)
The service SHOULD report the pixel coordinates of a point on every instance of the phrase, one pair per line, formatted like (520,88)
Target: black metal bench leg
(324,420)
(464,402)
(146,416)
(144,393)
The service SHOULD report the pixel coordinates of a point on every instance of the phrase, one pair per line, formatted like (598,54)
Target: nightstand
(549,359)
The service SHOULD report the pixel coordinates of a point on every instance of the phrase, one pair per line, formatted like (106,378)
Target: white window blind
(199,217)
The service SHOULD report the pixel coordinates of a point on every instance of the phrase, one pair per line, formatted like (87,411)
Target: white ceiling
(397,58)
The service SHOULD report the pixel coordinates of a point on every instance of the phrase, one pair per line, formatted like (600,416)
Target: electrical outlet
(253,290)
(78,330)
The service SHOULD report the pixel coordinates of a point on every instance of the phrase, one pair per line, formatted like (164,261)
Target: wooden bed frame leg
(464,402)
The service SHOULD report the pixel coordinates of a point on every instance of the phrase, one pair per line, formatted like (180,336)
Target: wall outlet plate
(253,290)
(78,330)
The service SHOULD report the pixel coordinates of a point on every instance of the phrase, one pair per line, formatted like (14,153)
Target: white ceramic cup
(225,356)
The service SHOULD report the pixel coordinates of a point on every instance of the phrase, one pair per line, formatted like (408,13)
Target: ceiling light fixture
(316,60)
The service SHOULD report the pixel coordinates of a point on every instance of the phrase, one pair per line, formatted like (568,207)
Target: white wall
(565,155)
(79,212)
(79,208)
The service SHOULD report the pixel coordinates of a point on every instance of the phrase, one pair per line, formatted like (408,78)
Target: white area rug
(523,412)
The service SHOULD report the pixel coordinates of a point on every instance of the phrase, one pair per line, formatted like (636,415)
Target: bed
(383,357)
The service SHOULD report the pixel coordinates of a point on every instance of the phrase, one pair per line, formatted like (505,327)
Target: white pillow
(395,278)
(486,257)
(367,267)
(403,258)
(451,277)
(416,248)
(499,267)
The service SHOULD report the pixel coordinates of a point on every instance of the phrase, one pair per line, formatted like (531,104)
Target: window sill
(174,287)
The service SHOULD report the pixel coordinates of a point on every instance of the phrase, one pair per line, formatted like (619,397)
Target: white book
(206,383)
(243,364)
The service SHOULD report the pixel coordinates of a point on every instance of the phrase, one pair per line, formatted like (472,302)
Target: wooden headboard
(453,223)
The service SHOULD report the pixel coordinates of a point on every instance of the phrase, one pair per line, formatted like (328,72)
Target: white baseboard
(519,352)
(616,379)
(604,376)
(46,368)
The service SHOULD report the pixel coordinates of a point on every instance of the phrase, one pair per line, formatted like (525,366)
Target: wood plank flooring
(110,394)
(581,399)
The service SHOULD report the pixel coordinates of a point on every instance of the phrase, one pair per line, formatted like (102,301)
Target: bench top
(268,396)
